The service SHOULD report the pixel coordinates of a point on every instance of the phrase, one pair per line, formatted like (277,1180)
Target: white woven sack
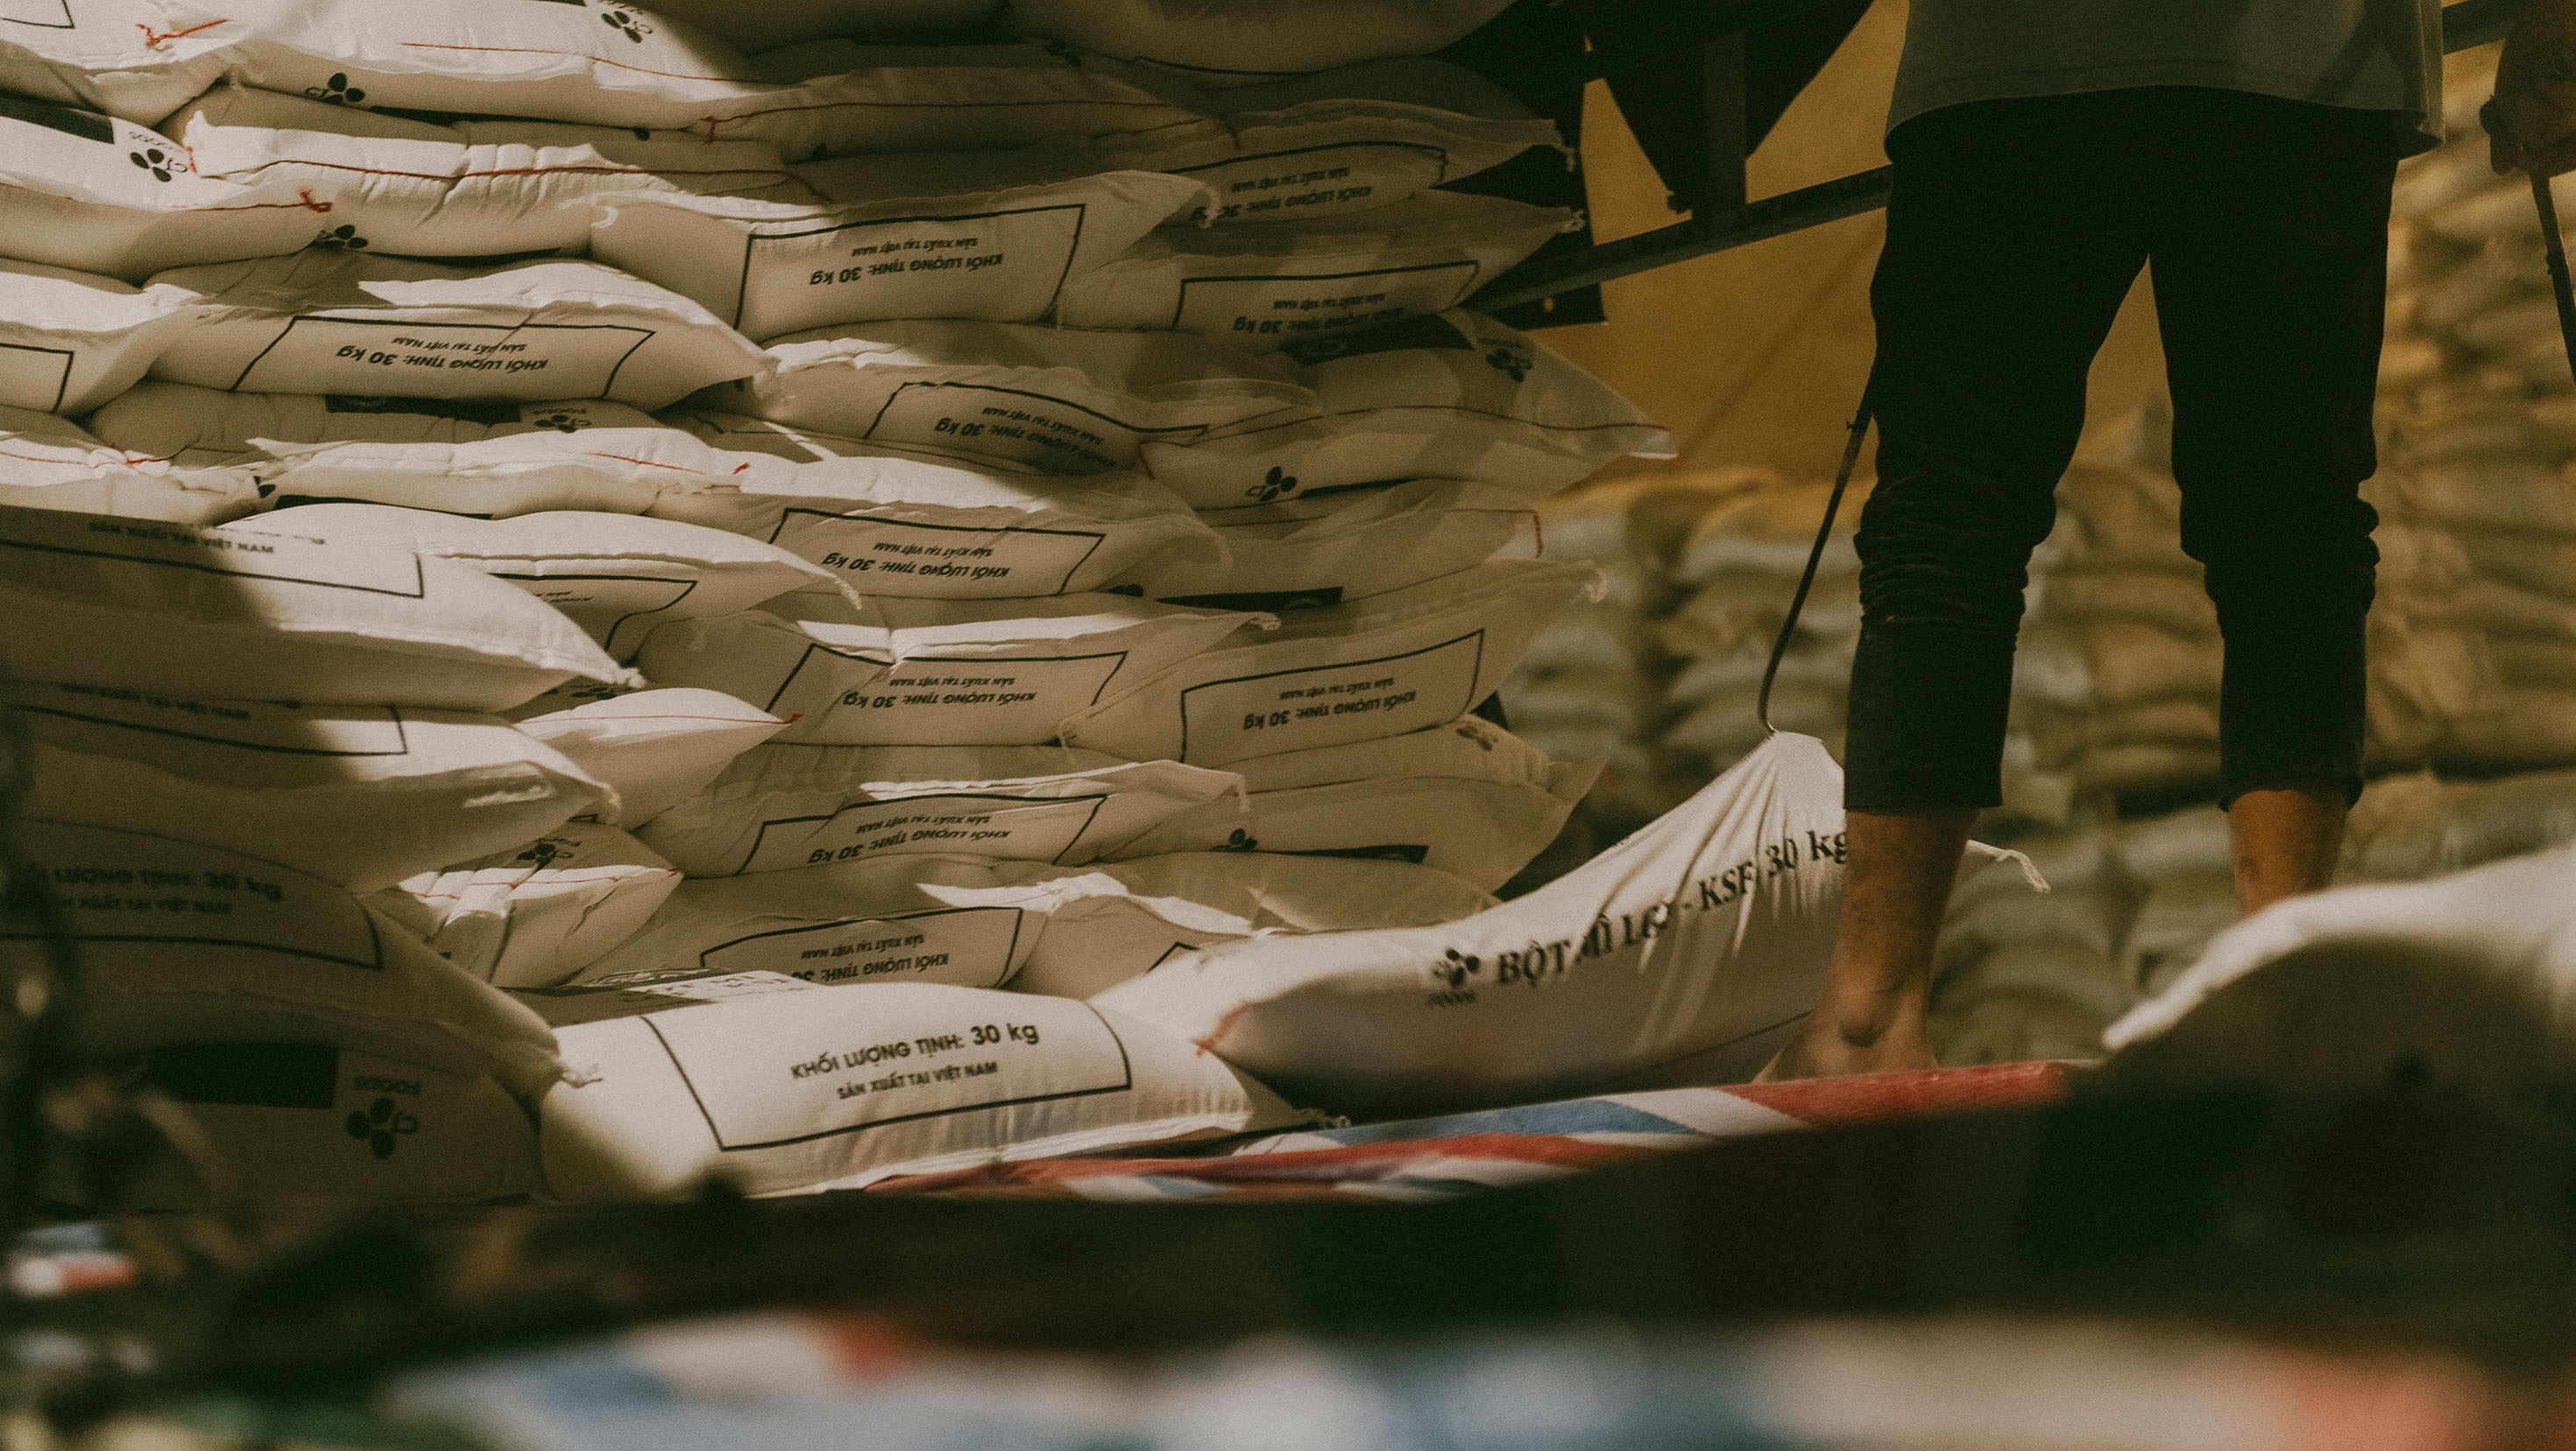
(47,462)
(780,1087)
(138,59)
(606,470)
(70,341)
(899,525)
(1702,936)
(838,98)
(466,189)
(655,748)
(615,575)
(93,600)
(1468,798)
(755,28)
(1000,674)
(1263,288)
(359,796)
(534,914)
(578,60)
(1459,396)
(2456,984)
(1064,400)
(342,322)
(1344,141)
(961,235)
(306,1123)
(866,920)
(1378,667)
(183,943)
(1218,42)
(1322,549)
(80,189)
(194,426)
(1108,923)
(784,806)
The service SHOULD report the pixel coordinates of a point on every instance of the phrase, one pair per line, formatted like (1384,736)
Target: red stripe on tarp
(1347,1163)
(1871,1097)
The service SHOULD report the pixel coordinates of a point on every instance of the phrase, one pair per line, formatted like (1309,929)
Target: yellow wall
(1756,356)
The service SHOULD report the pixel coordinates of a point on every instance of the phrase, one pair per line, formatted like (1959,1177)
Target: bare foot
(1821,1051)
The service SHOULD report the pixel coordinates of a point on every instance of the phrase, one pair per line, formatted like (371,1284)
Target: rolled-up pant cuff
(1925,730)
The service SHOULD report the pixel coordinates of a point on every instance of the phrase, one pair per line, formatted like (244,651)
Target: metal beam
(2466,24)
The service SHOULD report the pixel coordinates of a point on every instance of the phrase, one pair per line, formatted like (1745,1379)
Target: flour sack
(1322,549)
(1067,401)
(352,322)
(605,470)
(535,914)
(79,189)
(616,576)
(467,189)
(193,944)
(654,748)
(1468,798)
(1265,287)
(195,426)
(359,796)
(784,806)
(93,600)
(48,463)
(1378,667)
(1458,395)
(70,341)
(886,241)
(135,59)
(905,673)
(780,1087)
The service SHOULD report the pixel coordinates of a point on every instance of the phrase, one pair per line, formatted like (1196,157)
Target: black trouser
(2015,229)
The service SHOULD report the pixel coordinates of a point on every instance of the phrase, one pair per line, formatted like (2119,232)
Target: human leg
(2271,293)
(2007,256)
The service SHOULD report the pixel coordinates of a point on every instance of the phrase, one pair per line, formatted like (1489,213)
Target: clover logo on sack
(1507,360)
(160,163)
(342,238)
(634,27)
(336,91)
(1455,967)
(380,1124)
(1273,484)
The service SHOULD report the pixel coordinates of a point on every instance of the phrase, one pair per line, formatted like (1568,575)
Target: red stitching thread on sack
(154,37)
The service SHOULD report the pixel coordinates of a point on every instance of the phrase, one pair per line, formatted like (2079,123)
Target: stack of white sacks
(687,632)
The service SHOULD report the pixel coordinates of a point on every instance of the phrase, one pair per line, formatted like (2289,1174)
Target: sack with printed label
(654,748)
(94,600)
(1213,41)
(352,322)
(778,1086)
(961,235)
(1344,141)
(1067,401)
(1295,281)
(47,462)
(1378,667)
(615,575)
(898,525)
(1688,949)
(1468,798)
(183,943)
(604,470)
(79,189)
(783,806)
(575,60)
(1322,549)
(310,1123)
(755,28)
(1117,920)
(836,97)
(210,426)
(359,796)
(70,341)
(1458,395)
(865,920)
(936,673)
(467,189)
(534,915)
(135,59)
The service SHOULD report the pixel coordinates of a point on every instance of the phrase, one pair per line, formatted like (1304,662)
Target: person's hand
(2531,123)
